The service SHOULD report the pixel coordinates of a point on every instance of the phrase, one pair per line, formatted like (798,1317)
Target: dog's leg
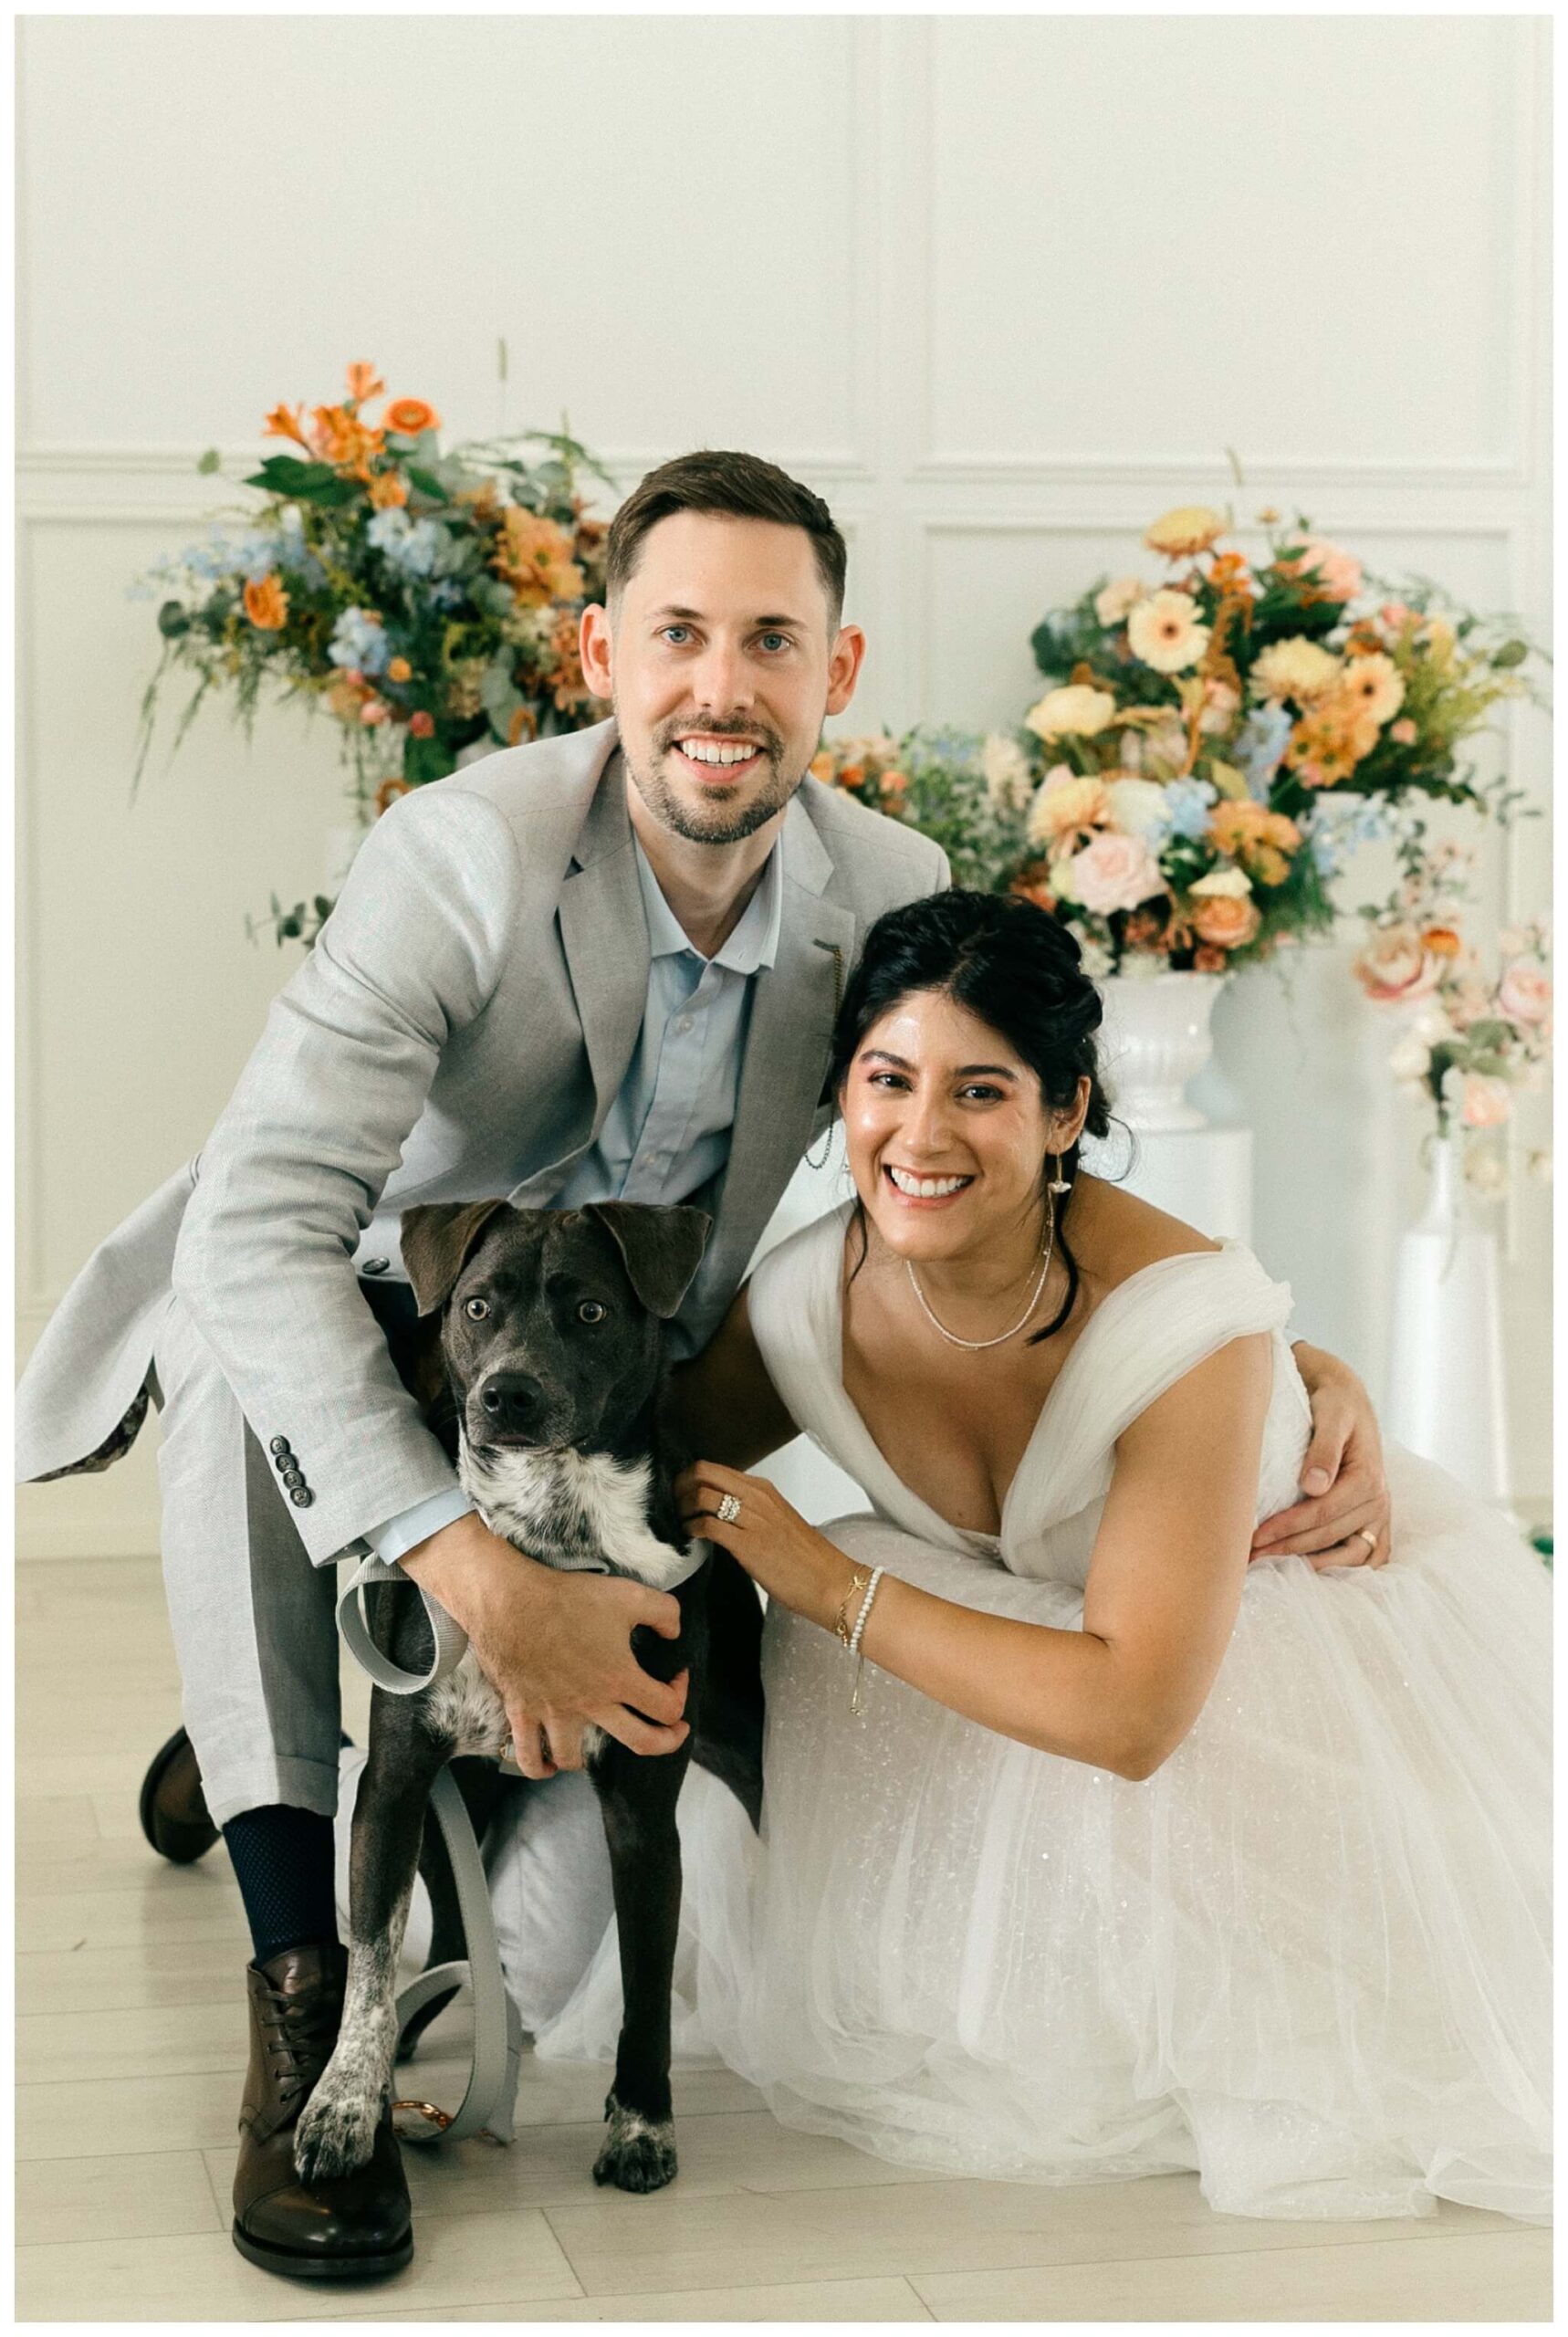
(637,1796)
(337,2129)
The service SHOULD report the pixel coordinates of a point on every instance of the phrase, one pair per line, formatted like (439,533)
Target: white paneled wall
(1001,287)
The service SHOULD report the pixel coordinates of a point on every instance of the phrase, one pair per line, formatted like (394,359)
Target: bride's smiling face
(947,1128)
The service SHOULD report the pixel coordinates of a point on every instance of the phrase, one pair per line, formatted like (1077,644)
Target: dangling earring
(1059,1183)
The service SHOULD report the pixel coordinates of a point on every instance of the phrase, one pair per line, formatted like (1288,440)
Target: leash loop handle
(451,1639)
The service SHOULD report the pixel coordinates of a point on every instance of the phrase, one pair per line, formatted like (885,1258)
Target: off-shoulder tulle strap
(794,1307)
(1158,1323)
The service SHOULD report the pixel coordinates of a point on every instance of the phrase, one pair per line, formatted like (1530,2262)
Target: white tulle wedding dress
(1308,1956)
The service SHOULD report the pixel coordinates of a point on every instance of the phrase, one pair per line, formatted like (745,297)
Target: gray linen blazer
(460,1030)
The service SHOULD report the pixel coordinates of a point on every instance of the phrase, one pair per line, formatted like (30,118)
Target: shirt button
(684,1023)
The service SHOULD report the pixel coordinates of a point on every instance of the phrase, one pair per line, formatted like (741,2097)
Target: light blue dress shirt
(667,1131)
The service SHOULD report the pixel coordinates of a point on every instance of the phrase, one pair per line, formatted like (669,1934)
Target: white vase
(1155,1038)
(1447,1393)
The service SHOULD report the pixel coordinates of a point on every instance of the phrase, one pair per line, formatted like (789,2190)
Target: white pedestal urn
(1447,1394)
(1155,1038)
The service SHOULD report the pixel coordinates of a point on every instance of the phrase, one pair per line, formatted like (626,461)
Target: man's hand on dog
(557,1647)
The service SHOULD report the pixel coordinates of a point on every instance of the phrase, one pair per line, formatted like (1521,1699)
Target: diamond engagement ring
(728,1509)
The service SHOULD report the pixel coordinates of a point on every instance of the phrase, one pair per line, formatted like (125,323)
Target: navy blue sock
(284,1863)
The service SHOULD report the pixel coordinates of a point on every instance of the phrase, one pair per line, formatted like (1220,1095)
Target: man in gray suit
(601,966)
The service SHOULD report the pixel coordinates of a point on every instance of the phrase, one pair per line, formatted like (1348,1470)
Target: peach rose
(1225,923)
(374,710)
(1487,1103)
(1114,872)
(1524,994)
(409,416)
(1336,573)
(1067,805)
(267,604)
(1403,732)
(1394,965)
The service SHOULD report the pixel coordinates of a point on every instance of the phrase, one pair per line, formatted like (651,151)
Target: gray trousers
(254,1620)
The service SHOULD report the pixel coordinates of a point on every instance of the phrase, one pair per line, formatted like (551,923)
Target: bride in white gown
(1138,1856)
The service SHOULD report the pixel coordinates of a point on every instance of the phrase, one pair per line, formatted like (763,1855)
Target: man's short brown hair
(742,487)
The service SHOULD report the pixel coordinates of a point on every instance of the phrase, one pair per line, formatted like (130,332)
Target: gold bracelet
(859,1577)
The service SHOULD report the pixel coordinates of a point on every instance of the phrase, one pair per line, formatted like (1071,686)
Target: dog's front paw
(638,2156)
(336,2134)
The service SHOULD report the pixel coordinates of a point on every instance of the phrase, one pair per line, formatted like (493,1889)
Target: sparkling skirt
(1307,1957)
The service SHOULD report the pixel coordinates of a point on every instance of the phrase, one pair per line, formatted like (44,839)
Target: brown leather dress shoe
(348,2227)
(174,1808)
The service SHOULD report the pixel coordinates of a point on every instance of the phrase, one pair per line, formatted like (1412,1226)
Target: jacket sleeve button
(302,1496)
(279,1444)
(375,1267)
(292,1477)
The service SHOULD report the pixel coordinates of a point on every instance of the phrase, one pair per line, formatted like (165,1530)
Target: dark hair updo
(1014,968)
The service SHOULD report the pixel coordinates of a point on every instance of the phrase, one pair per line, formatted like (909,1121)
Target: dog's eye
(476,1309)
(591,1311)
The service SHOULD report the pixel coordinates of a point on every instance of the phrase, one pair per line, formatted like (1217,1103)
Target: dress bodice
(1144,1334)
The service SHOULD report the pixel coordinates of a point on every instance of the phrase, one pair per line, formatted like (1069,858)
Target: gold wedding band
(1367,1537)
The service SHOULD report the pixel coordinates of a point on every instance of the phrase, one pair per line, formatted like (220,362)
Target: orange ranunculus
(399,670)
(1262,840)
(1223,921)
(365,384)
(388,791)
(1442,941)
(422,724)
(267,604)
(821,766)
(388,488)
(893,784)
(283,422)
(535,557)
(409,416)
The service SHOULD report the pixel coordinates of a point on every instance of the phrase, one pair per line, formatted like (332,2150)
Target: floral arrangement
(1475,1034)
(1195,724)
(428,602)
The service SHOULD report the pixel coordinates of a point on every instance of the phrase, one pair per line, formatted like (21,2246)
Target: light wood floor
(132,2046)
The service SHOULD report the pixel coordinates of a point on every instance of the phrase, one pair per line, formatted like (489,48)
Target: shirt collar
(752,945)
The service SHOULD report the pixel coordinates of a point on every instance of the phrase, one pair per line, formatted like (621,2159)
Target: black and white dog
(539,1352)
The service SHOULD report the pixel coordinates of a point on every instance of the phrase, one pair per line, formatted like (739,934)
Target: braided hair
(1015,969)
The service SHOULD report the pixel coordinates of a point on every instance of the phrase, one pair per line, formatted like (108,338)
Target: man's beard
(717,822)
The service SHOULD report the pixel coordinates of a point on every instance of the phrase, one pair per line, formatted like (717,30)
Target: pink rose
(374,710)
(1487,1103)
(1524,994)
(1394,965)
(1335,572)
(1115,871)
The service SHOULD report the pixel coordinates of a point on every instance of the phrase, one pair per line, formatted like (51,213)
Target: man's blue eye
(782,638)
(670,629)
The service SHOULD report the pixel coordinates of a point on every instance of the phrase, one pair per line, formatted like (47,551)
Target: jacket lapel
(604,936)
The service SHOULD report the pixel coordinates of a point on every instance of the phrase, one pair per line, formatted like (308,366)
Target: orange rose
(400,670)
(409,416)
(422,724)
(267,604)
(1442,941)
(363,383)
(283,422)
(1223,921)
(535,557)
(388,488)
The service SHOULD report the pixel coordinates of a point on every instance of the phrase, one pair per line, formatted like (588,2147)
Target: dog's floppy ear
(662,1248)
(437,1238)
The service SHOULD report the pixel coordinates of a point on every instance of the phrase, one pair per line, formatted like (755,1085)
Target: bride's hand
(1348,1523)
(791,1561)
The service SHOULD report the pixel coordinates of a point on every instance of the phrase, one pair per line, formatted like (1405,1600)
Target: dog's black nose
(512,1402)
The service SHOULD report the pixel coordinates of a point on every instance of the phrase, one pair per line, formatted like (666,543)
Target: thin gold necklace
(1002,1337)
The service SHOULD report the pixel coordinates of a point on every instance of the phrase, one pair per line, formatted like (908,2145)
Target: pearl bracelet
(854,1640)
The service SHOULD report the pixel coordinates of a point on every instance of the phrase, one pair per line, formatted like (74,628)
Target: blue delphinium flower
(1187,805)
(1260,746)
(410,544)
(359,640)
(1335,829)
